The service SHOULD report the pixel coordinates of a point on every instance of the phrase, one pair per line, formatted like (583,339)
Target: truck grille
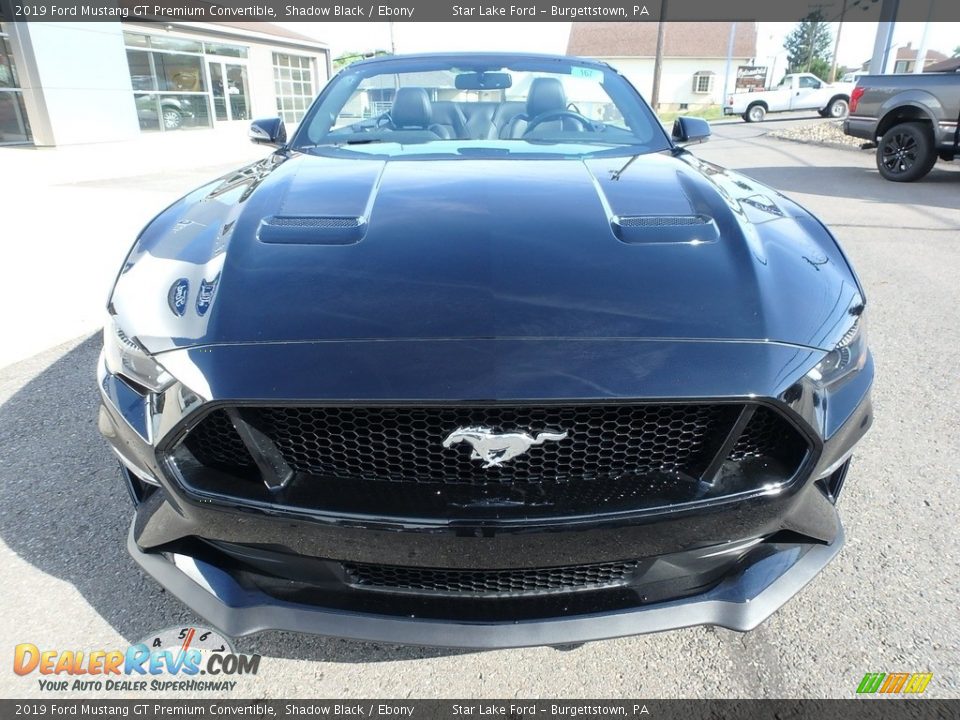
(392,459)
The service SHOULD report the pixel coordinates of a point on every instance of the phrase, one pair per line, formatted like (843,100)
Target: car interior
(414,116)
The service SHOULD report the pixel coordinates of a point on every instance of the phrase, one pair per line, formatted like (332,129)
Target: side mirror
(269,131)
(689,130)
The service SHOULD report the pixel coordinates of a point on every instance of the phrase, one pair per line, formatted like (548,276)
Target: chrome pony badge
(496,448)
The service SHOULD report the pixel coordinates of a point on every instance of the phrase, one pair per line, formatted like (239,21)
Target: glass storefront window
(227,50)
(14,126)
(183,73)
(164,42)
(141,72)
(169,76)
(169,111)
(135,40)
(169,88)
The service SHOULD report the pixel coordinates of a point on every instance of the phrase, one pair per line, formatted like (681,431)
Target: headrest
(546,95)
(411,108)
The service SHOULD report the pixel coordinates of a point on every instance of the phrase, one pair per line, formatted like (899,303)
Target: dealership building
(64,83)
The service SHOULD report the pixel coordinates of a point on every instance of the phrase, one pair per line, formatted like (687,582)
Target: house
(98,82)
(948,65)
(906,59)
(694,56)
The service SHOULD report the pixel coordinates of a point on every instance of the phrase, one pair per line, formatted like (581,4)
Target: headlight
(124,356)
(848,357)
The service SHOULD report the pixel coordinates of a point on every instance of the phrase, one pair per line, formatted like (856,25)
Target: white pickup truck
(797,91)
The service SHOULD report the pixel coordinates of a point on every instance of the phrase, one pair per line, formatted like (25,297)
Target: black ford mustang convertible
(482,357)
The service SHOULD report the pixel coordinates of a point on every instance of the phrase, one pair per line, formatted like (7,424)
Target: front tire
(755,113)
(906,152)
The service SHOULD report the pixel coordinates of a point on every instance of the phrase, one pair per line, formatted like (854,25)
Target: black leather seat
(412,110)
(546,95)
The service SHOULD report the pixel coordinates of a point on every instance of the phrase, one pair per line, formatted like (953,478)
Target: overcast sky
(856,42)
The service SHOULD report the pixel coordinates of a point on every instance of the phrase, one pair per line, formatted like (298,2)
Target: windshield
(449,106)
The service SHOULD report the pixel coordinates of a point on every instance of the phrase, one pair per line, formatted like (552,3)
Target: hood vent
(311,230)
(656,229)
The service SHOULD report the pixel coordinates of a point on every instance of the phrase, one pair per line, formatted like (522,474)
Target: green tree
(956,51)
(820,68)
(808,42)
(348,58)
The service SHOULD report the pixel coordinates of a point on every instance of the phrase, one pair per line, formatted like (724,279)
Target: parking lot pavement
(70,214)
(888,603)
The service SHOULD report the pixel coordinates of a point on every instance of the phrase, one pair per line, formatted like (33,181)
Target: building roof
(948,65)
(908,52)
(681,39)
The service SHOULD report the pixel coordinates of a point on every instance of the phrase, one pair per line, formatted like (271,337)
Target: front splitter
(740,602)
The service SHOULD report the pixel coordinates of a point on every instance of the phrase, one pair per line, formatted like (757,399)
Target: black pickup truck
(910,119)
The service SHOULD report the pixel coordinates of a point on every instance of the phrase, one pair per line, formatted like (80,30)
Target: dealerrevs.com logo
(169,661)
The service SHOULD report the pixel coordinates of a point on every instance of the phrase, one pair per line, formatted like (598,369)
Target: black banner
(880,709)
(482,10)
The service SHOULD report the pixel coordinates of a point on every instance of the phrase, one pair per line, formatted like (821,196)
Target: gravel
(828,132)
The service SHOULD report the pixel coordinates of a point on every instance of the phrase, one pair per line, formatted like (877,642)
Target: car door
(806,93)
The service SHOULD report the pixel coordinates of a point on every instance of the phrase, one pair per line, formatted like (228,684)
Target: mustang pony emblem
(496,448)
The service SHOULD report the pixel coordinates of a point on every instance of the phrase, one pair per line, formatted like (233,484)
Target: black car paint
(485,280)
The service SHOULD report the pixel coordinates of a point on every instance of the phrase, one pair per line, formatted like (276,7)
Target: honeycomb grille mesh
(391,461)
(315,222)
(405,444)
(661,220)
(767,435)
(490,582)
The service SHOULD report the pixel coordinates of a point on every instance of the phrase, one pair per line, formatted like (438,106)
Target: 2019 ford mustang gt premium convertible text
(482,357)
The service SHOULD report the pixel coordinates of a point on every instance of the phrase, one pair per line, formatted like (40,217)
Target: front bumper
(739,602)
(246,570)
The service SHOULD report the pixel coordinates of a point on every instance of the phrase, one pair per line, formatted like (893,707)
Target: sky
(856,40)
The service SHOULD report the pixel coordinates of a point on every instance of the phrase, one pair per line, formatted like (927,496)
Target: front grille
(490,582)
(391,461)
(405,444)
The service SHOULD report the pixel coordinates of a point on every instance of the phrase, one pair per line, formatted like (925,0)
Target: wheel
(172,119)
(905,152)
(755,113)
(837,108)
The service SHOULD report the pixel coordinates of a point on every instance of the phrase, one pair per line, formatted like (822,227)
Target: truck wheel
(172,119)
(837,108)
(755,113)
(905,152)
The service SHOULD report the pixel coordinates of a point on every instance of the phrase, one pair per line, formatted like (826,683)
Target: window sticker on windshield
(588,73)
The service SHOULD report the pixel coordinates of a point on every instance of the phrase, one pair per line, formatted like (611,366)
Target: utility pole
(658,59)
(393,44)
(836,44)
(726,71)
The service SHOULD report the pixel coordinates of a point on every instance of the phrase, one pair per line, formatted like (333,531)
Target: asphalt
(887,603)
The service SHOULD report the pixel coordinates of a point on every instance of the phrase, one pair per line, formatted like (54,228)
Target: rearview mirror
(268,131)
(689,130)
(483,81)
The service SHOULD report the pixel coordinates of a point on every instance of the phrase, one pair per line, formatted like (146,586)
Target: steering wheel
(585,123)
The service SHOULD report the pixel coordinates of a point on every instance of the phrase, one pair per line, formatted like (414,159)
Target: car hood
(307,248)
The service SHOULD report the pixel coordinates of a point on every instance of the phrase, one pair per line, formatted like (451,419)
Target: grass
(711,112)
